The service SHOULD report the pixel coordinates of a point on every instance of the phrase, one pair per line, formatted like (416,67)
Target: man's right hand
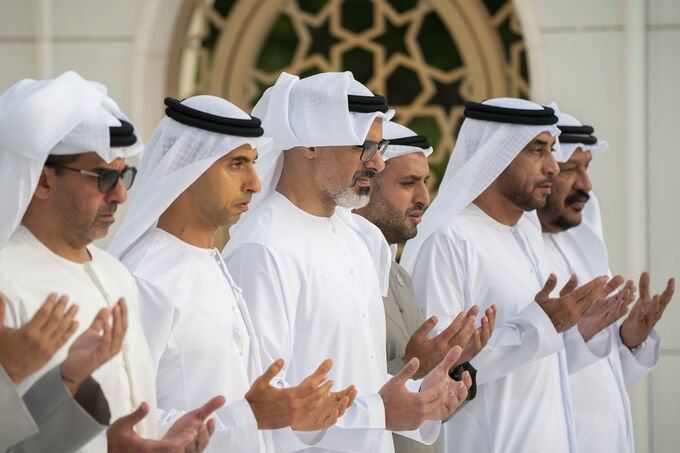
(431,351)
(189,434)
(566,310)
(438,397)
(279,407)
(606,310)
(26,350)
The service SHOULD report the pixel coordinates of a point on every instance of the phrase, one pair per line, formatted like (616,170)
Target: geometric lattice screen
(426,57)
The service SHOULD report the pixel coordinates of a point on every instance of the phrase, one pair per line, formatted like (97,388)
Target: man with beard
(574,244)
(312,272)
(399,196)
(197,175)
(478,243)
(65,143)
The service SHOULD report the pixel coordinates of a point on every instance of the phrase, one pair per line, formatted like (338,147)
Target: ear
(45,184)
(311,152)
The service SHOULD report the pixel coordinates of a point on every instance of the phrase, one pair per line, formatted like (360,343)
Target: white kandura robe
(29,271)
(601,404)
(313,292)
(201,339)
(197,334)
(523,402)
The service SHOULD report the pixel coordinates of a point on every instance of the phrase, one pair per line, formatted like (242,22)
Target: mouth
(416,217)
(578,204)
(545,188)
(363,181)
(243,206)
(362,178)
(110,217)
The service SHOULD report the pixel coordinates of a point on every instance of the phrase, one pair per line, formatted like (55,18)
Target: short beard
(346,197)
(524,200)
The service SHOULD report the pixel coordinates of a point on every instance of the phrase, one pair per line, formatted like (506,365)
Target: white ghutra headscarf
(588,235)
(66,115)
(403,141)
(177,155)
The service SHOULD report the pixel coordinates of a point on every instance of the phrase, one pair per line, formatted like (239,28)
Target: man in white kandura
(197,175)
(574,244)
(479,243)
(312,283)
(70,142)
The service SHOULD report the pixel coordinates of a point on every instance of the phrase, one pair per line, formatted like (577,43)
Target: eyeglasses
(369,148)
(106,179)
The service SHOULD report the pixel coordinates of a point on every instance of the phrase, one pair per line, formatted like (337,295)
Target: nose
(583,181)
(252,182)
(118,194)
(421,194)
(550,166)
(376,163)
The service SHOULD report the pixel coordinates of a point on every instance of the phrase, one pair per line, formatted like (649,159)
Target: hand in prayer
(278,407)
(606,310)
(566,310)
(480,337)
(189,434)
(455,392)
(327,413)
(25,350)
(92,348)
(439,394)
(645,313)
(431,351)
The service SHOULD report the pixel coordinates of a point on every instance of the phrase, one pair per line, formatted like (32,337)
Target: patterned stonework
(428,57)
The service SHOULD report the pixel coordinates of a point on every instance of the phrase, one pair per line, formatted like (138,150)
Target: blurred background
(613,64)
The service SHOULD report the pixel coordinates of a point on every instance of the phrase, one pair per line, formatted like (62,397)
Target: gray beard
(347,198)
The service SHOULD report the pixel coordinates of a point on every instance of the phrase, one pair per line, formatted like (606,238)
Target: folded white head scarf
(588,234)
(66,115)
(176,156)
(308,112)
(568,148)
(403,141)
(483,150)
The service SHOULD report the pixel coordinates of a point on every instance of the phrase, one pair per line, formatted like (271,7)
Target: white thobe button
(372,356)
(363,315)
(351,272)
(125,347)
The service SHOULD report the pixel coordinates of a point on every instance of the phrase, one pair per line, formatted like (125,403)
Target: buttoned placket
(242,308)
(135,400)
(364,314)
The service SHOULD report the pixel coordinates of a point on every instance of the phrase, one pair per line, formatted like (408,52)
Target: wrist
(634,343)
(71,384)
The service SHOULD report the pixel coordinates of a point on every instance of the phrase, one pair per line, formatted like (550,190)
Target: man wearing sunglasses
(313,273)
(65,143)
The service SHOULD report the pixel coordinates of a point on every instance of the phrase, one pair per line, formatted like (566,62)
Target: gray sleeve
(395,365)
(66,423)
(16,422)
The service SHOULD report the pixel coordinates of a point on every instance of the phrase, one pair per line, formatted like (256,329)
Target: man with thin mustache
(479,243)
(399,196)
(574,244)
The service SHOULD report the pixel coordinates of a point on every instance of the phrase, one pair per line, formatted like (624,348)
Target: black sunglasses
(106,179)
(369,148)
